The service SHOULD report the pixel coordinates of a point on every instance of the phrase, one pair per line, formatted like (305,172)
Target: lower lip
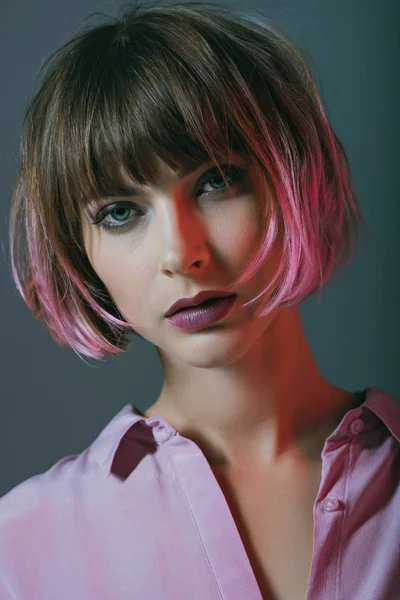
(202,315)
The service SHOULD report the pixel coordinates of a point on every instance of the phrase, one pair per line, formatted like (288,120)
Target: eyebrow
(125,191)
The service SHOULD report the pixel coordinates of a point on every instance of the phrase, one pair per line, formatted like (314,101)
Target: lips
(201,297)
(205,302)
(204,314)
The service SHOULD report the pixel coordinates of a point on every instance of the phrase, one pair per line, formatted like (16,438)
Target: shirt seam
(339,594)
(172,462)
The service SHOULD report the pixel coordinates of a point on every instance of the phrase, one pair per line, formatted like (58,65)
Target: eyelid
(99,213)
(98,205)
(225,167)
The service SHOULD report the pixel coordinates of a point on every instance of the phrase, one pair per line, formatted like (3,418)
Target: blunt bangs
(136,98)
(186,83)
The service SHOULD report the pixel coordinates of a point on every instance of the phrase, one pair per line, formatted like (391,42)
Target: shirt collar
(104,448)
(386,407)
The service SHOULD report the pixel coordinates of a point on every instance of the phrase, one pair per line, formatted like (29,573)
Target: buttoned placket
(333,504)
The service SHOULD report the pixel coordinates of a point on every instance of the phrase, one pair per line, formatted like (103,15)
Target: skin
(247,389)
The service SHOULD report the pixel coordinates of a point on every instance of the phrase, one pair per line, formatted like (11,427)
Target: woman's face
(175,239)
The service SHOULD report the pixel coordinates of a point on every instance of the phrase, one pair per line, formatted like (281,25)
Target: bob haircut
(182,82)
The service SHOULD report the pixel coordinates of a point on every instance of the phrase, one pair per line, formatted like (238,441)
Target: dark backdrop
(52,403)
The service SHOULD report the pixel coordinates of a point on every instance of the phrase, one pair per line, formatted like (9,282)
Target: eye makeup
(232,173)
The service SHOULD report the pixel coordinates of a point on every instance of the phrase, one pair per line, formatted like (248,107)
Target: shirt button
(356,426)
(330,504)
(160,431)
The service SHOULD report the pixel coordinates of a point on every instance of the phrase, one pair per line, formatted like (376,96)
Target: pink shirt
(139,515)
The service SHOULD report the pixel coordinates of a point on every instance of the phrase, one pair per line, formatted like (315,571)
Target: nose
(183,236)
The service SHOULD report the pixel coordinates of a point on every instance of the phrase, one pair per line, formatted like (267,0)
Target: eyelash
(206,178)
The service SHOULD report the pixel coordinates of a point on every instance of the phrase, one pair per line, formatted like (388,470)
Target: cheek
(239,237)
(236,231)
(116,264)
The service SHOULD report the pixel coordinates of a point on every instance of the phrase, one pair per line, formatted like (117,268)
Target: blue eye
(230,172)
(119,211)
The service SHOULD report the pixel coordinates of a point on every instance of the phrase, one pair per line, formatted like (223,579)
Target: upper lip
(195,300)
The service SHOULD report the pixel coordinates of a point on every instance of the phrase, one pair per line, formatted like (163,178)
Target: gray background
(52,403)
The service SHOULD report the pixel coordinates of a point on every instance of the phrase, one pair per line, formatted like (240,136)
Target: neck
(267,405)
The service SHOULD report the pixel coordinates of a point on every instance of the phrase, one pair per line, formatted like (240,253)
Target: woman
(178,150)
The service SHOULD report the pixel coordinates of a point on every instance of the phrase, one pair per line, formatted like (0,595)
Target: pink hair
(99,108)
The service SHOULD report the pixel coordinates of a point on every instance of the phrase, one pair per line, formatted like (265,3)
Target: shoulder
(34,516)
(25,505)
(67,479)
